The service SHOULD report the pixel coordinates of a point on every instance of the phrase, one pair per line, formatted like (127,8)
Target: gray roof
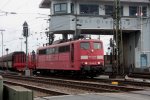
(47,3)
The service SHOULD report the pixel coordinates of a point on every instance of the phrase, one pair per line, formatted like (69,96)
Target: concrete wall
(59,23)
(129,50)
(67,22)
(64,21)
(145,39)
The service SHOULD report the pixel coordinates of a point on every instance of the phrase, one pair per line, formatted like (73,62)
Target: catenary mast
(118,37)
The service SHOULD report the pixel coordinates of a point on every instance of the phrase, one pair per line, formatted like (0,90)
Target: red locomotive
(76,57)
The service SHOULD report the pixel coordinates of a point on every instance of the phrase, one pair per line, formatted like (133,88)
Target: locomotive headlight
(98,63)
(85,63)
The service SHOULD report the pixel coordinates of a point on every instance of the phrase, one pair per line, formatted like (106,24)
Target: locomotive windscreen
(85,45)
(97,45)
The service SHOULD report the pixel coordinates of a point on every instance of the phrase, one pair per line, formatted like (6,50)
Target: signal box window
(60,8)
(97,45)
(137,11)
(86,9)
(133,11)
(85,45)
(109,10)
(144,11)
(72,8)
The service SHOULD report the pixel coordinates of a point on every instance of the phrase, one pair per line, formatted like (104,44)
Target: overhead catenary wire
(5,4)
(38,41)
(22,5)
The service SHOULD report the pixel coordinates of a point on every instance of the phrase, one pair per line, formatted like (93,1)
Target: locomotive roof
(68,42)
(10,55)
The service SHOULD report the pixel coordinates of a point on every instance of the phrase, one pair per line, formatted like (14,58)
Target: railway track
(35,88)
(140,75)
(62,83)
(123,81)
(130,81)
(80,85)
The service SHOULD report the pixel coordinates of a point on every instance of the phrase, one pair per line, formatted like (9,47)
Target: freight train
(77,57)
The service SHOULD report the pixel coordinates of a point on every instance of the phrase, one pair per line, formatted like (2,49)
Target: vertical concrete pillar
(1,88)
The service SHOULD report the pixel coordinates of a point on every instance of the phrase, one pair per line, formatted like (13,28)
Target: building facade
(96,17)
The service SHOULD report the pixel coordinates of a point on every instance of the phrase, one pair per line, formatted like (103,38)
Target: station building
(95,17)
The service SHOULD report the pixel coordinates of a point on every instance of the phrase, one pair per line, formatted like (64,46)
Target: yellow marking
(114,83)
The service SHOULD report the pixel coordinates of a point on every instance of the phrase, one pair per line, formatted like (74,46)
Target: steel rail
(97,87)
(64,83)
(37,88)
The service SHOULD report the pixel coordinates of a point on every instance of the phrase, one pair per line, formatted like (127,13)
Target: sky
(29,11)
(26,10)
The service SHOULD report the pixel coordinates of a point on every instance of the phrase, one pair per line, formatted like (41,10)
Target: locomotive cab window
(85,45)
(97,45)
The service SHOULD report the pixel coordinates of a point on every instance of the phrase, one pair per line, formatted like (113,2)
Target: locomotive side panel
(70,56)
(58,59)
(77,64)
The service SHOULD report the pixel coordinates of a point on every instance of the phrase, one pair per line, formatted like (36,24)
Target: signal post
(25,34)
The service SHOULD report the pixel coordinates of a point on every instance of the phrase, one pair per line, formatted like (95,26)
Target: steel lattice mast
(118,36)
